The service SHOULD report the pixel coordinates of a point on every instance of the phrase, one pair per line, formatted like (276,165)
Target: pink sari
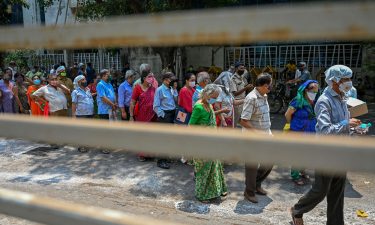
(145,105)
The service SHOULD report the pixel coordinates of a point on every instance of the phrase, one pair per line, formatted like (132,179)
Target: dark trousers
(127,113)
(330,186)
(168,116)
(85,116)
(255,176)
(103,116)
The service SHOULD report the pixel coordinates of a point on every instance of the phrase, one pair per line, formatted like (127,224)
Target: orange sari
(36,110)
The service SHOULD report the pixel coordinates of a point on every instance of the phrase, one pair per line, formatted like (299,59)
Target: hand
(353,122)
(114,106)
(131,119)
(225,110)
(249,87)
(224,124)
(123,115)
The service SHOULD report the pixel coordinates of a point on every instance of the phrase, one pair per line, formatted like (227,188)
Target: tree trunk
(166,55)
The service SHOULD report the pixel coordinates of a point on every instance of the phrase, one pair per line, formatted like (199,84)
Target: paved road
(119,181)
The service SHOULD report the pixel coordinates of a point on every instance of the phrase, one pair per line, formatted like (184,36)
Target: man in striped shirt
(256,117)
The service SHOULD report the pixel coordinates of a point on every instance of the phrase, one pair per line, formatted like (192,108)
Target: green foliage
(98,9)
(21,57)
(6,9)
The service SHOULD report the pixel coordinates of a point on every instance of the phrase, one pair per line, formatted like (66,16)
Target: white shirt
(55,97)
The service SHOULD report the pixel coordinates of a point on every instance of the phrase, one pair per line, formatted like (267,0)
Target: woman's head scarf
(300,98)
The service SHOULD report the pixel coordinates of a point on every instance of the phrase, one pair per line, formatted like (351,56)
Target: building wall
(59,11)
(31,15)
(201,56)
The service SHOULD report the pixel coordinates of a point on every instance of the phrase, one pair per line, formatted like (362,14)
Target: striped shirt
(257,111)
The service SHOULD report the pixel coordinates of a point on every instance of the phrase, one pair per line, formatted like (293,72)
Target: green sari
(209,175)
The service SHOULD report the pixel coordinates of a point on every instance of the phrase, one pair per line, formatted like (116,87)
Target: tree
(6,16)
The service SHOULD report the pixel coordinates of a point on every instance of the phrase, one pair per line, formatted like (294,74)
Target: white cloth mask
(311,95)
(346,86)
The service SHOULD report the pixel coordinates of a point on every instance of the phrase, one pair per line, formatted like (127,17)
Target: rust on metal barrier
(219,26)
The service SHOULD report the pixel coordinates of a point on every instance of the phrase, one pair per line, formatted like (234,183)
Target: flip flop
(294,219)
(299,182)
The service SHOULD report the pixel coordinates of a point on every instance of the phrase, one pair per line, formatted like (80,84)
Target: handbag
(182,116)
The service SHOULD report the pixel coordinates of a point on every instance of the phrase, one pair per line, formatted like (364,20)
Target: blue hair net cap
(336,73)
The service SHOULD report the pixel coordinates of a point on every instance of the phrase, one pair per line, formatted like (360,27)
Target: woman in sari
(209,175)
(300,117)
(6,93)
(19,91)
(36,106)
(141,105)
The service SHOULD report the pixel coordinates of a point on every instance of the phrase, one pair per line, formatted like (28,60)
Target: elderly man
(165,107)
(333,118)
(256,117)
(125,94)
(240,87)
(106,97)
(203,78)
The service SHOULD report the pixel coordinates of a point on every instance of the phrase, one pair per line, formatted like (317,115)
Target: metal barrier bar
(318,21)
(57,212)
(332,153)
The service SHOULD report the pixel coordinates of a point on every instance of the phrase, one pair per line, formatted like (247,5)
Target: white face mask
(311,95)
(192,84)
(346,86)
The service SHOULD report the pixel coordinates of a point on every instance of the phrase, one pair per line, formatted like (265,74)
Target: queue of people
(229,101)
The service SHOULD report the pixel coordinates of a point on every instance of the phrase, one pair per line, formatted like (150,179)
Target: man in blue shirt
(106,97)
(125,94)
(333,118)
(165,107)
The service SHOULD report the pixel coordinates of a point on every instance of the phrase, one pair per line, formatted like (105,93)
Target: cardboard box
(357,107)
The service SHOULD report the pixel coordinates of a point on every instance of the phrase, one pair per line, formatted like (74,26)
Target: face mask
(63,74)
(311,95)
(84,84)
(149,80)
(346,86)
(53,83)
(240,72)
(37,82)
(192,83)
(212,101)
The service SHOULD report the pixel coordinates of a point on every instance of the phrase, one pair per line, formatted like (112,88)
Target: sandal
(295,220)
(82,150)
(299,182)
(141,158)
(305,176)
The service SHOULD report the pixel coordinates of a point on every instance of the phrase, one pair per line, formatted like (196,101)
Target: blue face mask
(36,82)
(212,101)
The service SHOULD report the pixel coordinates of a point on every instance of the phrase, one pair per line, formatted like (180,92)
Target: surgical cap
(336,73)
